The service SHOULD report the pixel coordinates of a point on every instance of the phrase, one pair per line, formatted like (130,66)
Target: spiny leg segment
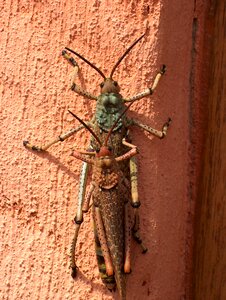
(148,91)
(60,138)
(79,215)
(75,87)
(158,133)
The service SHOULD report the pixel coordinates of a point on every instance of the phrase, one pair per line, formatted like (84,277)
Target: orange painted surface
(39,191)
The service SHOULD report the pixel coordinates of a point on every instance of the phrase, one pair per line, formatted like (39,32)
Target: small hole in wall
(144,283)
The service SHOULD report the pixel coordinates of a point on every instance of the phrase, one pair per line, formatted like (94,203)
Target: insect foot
(32,147)
(165,127)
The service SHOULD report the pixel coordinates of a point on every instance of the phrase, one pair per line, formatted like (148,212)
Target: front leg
(60,138)
(80,155)
(74,87)
(158,133)
(148,91)
(128,154)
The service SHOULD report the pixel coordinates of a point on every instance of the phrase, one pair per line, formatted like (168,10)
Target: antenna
(127,51)
(86,126)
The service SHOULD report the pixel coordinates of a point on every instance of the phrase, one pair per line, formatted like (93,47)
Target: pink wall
(39,191)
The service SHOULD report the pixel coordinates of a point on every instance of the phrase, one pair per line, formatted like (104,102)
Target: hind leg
(109,281)
(127,263)
(79,215)
(103,241)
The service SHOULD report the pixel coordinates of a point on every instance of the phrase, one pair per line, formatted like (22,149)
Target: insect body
(111,196)
(110,106)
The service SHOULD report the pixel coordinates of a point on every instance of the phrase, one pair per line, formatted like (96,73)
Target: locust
(110,107)
(110,197)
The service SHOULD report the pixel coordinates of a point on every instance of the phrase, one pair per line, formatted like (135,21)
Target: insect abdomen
(112,205)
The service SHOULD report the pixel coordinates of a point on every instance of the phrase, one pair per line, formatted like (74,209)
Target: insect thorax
(106,178)
(109,107)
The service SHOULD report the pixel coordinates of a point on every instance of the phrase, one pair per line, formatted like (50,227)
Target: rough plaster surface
(39,191)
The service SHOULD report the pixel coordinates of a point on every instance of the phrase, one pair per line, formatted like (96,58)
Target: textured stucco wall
(39,191)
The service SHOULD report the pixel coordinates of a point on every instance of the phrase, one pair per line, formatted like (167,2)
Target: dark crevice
(192,96)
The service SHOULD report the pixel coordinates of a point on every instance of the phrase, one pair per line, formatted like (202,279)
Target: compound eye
(102,84)
(115,83)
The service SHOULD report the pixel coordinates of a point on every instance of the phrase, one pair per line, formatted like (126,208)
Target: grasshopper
(110,197)
(110,106)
